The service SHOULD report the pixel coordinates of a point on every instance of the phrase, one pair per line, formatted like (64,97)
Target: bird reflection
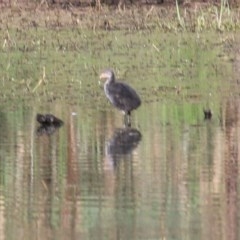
(123,142)
(49,124)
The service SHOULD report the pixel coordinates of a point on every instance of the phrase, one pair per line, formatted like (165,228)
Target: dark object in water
(207,114)
(46,129)
(49,119)
(122,143)
(49,124)
(121,95)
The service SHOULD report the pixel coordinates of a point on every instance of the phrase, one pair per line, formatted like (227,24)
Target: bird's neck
(110,80)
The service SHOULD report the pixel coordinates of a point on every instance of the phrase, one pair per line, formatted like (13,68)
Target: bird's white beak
(103,76)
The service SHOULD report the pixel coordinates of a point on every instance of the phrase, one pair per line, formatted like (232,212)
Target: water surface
(172,175)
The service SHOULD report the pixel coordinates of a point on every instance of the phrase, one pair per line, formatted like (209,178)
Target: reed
(180,19)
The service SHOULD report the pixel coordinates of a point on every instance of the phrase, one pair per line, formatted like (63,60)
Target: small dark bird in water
(49,119)
(49,124)
(121,95)
(207,114)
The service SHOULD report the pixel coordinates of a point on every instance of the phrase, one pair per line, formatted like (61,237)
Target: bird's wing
(123,96)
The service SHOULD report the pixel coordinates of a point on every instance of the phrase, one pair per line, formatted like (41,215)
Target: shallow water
(172,175)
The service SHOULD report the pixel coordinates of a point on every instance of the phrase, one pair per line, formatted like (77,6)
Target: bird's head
(107,74)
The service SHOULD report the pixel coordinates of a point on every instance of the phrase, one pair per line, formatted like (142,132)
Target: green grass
(48,65)
(157,50)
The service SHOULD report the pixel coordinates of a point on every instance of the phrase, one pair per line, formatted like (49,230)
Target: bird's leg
(127,119)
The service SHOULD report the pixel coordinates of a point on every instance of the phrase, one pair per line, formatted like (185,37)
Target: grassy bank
(192,17)
(53,54)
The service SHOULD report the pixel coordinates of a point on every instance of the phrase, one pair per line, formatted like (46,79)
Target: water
(172,175)
(174,181)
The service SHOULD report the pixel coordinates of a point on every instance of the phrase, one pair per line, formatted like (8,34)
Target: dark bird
(48,124)
(207,114)
(48,119)
(121,95)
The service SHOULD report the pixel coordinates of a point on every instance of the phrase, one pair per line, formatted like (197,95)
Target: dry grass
(194,17)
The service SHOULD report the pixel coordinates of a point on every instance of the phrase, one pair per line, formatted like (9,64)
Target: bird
(48,124)
(121,144)
(121,95)
(48,119)
(207,114)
